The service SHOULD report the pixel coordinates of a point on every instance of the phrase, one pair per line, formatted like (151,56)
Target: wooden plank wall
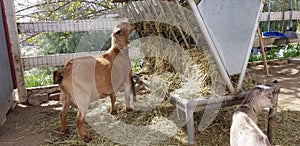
(15,48)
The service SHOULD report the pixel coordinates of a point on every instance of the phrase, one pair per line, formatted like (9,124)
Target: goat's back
(79,75)
(244,132)
(94,76)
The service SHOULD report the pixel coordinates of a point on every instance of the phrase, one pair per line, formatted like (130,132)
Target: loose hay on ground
(287,129)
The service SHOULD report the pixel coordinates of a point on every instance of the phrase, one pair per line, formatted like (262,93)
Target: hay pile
(186,69)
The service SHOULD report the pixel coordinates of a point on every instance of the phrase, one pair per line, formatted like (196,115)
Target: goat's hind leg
(113,109)
(63,113)
(80,125)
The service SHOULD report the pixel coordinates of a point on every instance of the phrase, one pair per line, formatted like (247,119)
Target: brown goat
(85,79)
(244,130)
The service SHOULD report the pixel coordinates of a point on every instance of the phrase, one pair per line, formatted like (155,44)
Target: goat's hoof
(65,131)
(113,112)
(134,99)
(128,109)
(86,138)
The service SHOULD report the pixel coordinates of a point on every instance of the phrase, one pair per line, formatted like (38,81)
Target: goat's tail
(57,77)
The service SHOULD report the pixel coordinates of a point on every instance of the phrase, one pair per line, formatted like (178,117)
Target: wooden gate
(7,79)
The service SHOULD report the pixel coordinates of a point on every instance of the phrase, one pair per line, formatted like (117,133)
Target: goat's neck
(114,51)
(119,43)
(250,110)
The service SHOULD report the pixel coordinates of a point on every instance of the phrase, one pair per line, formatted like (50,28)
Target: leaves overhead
(62,9)
(56,10)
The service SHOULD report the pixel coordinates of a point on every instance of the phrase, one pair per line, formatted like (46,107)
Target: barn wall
(15,49)
(6,78)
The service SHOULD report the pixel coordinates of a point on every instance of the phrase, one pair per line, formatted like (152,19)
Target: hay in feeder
(191,73)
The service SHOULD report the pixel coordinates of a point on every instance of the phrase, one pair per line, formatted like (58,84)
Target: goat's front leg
(132,86)
(81,128)
(127,96)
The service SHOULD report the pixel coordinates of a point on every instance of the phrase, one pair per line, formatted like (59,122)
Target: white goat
(244,130)
(85,79)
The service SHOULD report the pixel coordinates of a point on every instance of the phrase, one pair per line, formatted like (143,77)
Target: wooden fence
(102,24)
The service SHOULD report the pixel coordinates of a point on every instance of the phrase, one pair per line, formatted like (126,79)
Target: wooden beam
(263,51)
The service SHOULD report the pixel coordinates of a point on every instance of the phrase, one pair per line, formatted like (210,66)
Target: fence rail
(107,24)
(277,16)
(102,24)
(61,59)
(67,25)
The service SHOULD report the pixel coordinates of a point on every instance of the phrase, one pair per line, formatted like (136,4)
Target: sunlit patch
(284,90)
(260,67)
(57,108)
(288,71)
(22,105)
(49,103)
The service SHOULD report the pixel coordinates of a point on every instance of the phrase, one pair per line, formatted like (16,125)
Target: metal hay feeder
(229,28)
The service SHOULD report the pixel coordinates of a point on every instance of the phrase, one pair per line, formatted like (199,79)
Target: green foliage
(95,41)
(71,42)
(254,57)
(39,76)
(291,50)
(71,10)
(276,6)
(135,65)
(66,42)
(273,53)
(58,42)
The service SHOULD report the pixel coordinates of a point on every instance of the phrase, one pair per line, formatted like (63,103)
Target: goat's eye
(118,32)
(270,96)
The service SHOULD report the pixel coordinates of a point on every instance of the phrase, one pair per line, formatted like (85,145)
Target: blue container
(273,34)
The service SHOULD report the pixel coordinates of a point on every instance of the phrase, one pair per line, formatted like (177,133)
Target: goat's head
(261,97)
(269,98)
(266,96)
(120,34)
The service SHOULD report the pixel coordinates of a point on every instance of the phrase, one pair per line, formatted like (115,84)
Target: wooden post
(282,22)
(15,48)
(263,51)
(272,118)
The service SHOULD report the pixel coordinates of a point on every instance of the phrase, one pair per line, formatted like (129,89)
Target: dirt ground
(32,126)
